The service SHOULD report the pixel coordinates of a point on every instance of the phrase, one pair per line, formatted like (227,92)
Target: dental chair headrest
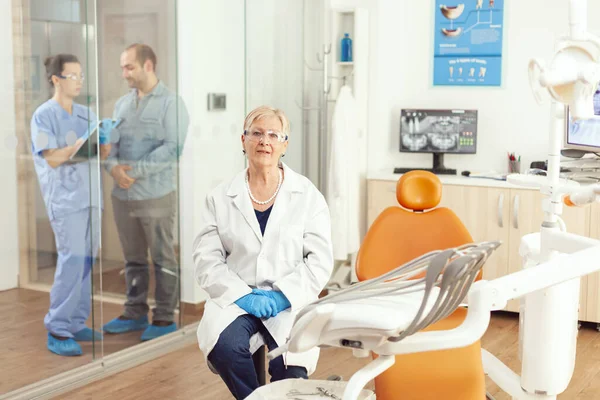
(419,190)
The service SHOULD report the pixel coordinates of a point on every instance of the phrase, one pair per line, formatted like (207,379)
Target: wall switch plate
(217,101)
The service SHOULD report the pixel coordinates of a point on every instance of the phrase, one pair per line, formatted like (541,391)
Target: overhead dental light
(572,76)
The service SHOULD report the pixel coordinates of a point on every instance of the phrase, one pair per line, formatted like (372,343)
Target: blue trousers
(76,237)
(232,359)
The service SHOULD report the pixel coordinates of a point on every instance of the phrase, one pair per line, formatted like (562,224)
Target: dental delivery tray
(302,389)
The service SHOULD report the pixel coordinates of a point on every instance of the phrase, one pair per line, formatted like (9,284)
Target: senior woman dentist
(263,252)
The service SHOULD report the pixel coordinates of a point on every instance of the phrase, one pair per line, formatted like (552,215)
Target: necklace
(271,198)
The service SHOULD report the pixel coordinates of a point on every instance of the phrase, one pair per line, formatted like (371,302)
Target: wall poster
(468,43)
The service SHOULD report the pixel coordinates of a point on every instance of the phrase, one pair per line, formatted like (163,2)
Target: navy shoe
(87,335)
(126,325)
(67,347)
(154,331)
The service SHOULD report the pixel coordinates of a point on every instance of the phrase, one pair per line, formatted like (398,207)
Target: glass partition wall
(58,214)
(137,86)
(99,264)
(103,245)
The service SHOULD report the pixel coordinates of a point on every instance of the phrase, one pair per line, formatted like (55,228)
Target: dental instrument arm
(583,197)
(411,308)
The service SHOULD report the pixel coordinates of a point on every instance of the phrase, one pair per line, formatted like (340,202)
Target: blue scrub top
(150,140)
(70,187)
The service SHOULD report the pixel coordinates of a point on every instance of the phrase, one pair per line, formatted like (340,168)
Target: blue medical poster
(468,43)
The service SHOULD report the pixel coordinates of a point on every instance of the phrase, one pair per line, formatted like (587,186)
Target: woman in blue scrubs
(72,195)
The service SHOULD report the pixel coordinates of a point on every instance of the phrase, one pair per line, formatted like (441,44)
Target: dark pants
(147,225)
(232,359)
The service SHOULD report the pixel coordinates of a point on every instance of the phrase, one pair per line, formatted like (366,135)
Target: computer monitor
(584,135)
(438,132)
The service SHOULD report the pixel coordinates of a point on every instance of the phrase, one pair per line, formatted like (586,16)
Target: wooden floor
(25,358)
(184,375)
(112,282)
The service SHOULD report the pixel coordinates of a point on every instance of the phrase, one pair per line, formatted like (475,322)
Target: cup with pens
(514,163)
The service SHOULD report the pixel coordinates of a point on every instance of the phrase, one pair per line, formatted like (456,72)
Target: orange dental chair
(398,235)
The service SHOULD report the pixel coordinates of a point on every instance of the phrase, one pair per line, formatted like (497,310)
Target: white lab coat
(232,256)
(343,177)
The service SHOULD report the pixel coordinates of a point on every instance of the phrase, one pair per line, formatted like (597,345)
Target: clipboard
(88,148)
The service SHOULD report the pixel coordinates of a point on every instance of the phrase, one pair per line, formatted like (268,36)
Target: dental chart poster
(468,43)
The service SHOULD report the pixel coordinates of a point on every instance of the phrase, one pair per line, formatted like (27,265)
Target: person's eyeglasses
(269,136)
(73,77)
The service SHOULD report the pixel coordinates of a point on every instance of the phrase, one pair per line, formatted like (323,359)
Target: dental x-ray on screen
(438,131)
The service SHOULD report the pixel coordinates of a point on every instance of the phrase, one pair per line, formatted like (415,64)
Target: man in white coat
(263,253)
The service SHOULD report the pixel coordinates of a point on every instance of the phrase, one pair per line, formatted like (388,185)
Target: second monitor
(437,132)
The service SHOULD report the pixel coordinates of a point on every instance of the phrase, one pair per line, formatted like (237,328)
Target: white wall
(9,246)
(211,59)
(509,117)
(274,68)
(313,39)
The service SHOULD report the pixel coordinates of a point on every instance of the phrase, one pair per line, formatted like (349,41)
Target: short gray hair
(266,111)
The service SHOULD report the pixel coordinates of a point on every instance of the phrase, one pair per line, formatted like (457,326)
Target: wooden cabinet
(380,195)
(505,214)
(593,280)
(484,212)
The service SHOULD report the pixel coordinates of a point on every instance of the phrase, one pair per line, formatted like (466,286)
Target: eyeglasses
(73,77)
(269,136)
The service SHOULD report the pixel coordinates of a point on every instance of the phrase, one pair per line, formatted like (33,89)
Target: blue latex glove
(259,306)
(281,302)
(106,127)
